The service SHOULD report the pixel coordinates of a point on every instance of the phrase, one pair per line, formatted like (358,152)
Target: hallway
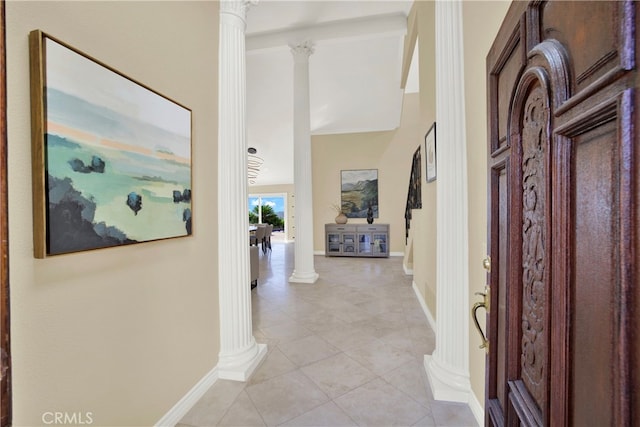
(345,351)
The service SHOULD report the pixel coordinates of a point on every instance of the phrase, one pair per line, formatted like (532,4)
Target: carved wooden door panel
(563,212)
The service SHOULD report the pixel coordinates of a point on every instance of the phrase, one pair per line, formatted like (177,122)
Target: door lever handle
(481,304)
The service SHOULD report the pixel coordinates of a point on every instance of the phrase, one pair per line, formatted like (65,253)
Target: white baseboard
(408,271)
(187,402)
(427,312)
(476,408)
(318,253)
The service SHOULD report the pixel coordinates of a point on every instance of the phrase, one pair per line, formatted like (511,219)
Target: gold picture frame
(111,158)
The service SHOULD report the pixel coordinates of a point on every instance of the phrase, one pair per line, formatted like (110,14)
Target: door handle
(481,304)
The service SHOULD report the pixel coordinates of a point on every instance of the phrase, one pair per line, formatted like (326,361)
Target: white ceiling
(354,72)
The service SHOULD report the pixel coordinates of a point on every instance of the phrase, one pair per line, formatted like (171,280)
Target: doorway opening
(269,208)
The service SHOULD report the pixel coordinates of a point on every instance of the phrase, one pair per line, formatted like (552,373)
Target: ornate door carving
(534,254)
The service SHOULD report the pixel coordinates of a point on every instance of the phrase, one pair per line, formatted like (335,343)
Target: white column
(304,271)
(239,352)
(448,367)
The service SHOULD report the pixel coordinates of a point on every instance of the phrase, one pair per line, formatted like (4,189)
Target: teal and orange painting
(118,157)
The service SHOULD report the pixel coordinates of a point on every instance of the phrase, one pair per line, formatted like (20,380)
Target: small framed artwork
(430,150)
(359,192)
(111,158)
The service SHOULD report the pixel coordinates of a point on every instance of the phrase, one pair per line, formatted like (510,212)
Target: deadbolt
(486,263)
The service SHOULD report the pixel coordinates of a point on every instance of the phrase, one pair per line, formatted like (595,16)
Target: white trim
(351,29)
(476,408)
(396,254)
(381,127)
(425,308)
(187,402)
(408,271)
(319,253)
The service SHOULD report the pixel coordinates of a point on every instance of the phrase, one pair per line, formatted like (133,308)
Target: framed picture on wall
(111,158)
(430,150)
(359,192)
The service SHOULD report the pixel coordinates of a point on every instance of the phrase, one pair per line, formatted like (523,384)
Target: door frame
(5,324)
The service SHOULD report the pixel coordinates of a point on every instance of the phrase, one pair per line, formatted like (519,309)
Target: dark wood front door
(563,162)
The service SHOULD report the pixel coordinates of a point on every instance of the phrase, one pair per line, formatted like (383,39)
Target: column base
(304,277)
(446,384)
(240,366)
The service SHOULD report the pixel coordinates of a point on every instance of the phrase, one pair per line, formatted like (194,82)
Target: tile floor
(345,351)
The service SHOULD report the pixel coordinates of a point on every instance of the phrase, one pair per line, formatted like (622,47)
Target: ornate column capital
(302,50)
(237,8)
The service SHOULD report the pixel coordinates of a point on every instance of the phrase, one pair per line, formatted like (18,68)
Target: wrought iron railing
(414,196)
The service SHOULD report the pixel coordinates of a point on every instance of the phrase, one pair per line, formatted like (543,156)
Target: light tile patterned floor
(345,351)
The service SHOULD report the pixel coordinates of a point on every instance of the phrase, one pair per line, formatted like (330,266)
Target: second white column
(304,271)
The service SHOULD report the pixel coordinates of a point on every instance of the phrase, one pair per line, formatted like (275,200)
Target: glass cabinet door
(379,243)
(333,242)
(357,240)
(364,243)
(348,243)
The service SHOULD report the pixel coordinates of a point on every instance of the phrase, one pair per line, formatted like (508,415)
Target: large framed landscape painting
(359,192)
(111,158)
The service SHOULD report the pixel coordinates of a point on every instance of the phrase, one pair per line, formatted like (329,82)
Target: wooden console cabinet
(363,240)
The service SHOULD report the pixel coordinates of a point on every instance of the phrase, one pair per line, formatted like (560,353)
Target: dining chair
(259,236)
(267,237)
(252,235)
(254,266)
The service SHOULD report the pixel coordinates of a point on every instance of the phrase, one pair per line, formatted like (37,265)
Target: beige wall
(289,191)
(425,246)
(125,332)
(482,20)
(390,152)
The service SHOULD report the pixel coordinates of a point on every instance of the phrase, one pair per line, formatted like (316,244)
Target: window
(268,209)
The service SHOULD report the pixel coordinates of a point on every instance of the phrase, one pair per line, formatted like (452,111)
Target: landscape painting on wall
(359,191)
(111,157)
